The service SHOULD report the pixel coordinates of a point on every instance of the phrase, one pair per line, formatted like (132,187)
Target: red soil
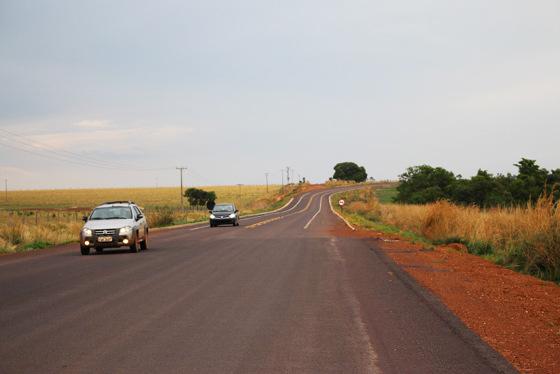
(516,314)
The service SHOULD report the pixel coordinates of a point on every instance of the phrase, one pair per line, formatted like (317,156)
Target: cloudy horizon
(119,93)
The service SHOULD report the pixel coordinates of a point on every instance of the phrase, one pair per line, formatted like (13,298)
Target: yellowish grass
(527,238)
(146,197)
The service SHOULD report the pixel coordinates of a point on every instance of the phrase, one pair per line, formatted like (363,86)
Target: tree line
(425,184)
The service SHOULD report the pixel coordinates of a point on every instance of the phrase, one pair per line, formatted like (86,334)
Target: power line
(65,156)
(41,147)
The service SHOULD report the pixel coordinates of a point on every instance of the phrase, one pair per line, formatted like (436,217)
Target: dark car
(224,214)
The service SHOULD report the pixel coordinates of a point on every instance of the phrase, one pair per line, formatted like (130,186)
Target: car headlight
(232,215)
(125,230)
(86,232)
(212,216)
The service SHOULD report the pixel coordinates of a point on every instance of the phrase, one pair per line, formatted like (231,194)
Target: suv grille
(105,232)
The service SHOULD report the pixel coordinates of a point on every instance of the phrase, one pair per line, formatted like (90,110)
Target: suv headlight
(212,216)
(86,232)
(125,230)
(232,215)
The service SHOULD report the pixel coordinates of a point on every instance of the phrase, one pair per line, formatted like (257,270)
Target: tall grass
(18,236)
(524,238)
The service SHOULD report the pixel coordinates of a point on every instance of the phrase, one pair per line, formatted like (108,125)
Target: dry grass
(525,238)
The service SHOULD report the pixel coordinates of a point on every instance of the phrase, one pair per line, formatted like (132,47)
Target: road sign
(341,202)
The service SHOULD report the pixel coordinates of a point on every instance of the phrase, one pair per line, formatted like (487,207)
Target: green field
(386,195)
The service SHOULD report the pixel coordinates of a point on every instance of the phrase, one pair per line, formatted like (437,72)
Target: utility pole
(239,185)
(181,168)
(282,174)
(266,175)
(288,174)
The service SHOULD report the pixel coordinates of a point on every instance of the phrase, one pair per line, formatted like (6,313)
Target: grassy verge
(525,239)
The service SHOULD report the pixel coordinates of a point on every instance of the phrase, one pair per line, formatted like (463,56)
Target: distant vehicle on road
(225,213)
(114,224)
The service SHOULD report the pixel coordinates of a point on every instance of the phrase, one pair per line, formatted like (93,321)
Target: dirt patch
(516,314)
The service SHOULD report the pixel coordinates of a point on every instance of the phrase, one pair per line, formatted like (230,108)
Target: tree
(483,189)
(425,184)
(198,197)
(349,171)
(529,183)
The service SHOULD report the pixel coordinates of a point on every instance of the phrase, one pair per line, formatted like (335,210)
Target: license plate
(105,239)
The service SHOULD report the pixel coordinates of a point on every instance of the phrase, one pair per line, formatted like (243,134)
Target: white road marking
(338,214)
(276,211)
(198,228)
(316,214)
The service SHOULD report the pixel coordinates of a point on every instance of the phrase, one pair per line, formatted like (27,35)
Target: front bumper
(116,241)
(222,221)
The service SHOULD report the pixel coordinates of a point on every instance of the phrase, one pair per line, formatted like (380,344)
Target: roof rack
(118,202)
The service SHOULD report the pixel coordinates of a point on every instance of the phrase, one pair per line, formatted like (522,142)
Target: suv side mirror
(85,218)
(210,211)
(139,217)
(236,210)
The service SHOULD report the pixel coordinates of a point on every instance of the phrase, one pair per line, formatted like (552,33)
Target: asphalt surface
(278,294)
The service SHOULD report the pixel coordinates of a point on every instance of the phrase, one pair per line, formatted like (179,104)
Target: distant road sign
(341,202)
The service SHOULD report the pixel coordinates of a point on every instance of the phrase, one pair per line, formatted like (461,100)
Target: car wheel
(134,248)
(144,243)
(84,250)
(99,250)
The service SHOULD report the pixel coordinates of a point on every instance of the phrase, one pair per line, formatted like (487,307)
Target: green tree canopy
(198,197)
(349,171)
(424,184)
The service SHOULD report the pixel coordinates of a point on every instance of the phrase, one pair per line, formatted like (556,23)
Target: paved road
(280,293)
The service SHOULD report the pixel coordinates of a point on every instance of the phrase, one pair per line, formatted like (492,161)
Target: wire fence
(68,215)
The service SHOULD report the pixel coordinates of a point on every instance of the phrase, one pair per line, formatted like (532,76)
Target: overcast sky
(234,89)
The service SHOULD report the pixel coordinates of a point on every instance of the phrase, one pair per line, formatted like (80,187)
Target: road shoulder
(517,315)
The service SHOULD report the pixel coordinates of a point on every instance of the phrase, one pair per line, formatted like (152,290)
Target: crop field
(244,196)
(41,218)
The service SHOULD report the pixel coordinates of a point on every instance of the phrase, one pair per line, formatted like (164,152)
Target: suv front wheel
(84,250)
(134,248)
(144,243)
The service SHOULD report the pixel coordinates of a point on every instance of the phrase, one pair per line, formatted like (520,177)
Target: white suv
(114,224)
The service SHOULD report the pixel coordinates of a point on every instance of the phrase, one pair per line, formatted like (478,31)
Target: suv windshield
(114,212)
(223,208)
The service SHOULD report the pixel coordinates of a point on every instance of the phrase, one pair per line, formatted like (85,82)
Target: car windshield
(223,208)
(114,212)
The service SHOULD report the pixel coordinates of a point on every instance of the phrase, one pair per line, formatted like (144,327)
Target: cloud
(12,170)
(114,140)
(93,124)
